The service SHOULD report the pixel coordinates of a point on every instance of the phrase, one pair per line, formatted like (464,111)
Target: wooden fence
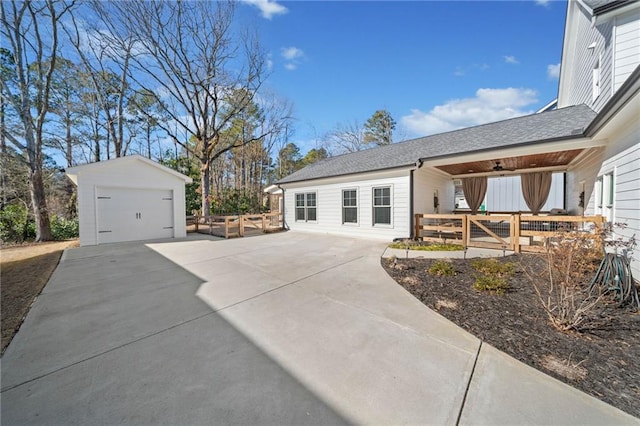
(237,225)
(516,232)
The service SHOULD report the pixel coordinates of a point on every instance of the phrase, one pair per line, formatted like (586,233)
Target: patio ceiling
(524,162)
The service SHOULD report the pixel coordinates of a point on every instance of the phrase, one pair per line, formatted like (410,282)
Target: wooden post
(516,232)
(197,219)
(226,226)
(466,235)
(241,225)
(417,226)
(264,222)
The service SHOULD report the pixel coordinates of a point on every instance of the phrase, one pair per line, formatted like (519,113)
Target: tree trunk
(205,184)
(68,140)
(38,200)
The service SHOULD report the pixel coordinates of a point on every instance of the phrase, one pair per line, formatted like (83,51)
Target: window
(610,189)
(599,193)
(306,207)
(382,206)
(349,206)
(596,80)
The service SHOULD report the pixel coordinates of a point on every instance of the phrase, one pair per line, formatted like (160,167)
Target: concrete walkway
(280,329)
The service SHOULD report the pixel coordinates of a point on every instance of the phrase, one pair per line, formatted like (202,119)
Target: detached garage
(128,199)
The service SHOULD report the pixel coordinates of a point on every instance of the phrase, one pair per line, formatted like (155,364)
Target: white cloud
(553,71)
(291,53)
(543,3)
(293,56)
(268,8)
(487,106)
(509,59)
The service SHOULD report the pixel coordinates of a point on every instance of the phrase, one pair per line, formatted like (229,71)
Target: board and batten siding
(126,174)
(426,183)
(504,194)
(329,205)
(626,50)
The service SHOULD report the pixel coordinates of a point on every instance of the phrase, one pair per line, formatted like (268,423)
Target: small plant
(559,283)
(491,283)
(417,245)
(442,268)
(492,267)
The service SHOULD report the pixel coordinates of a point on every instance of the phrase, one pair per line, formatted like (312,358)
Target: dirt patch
(601,361)
(24,271)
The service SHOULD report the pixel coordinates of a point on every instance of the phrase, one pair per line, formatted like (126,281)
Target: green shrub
(494,268)
(15,224)
(491,283)
(442,268)
(64,229)
(416,245)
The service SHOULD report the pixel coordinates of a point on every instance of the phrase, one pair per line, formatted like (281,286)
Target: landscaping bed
(24,271)
(601,359)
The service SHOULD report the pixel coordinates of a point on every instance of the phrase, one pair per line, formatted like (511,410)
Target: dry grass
(24,271)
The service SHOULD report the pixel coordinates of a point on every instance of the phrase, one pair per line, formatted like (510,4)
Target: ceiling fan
(498,167)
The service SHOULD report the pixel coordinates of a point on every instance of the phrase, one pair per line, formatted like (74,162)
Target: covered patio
(514,230)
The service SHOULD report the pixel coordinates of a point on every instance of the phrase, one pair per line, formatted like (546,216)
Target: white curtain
(474,188)
(535,189)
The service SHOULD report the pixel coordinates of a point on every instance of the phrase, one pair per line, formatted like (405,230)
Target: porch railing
(516,232)
(237,225)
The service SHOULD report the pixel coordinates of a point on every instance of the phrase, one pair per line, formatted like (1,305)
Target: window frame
(356,207)
(305,206)
(374,206)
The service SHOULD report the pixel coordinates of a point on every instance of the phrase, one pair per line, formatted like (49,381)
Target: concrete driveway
(287,328)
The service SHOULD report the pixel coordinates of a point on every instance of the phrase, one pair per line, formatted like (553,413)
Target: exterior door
(125,214)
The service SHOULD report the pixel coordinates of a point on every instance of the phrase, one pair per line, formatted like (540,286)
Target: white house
(128,199)
(593,138)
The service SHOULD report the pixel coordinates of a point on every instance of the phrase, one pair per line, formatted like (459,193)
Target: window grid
(382,206)
(306,207)
(349,206)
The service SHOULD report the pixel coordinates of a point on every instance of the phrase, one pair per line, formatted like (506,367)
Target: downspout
(284,219)
(412,228)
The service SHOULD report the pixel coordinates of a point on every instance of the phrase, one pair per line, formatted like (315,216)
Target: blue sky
(435,66)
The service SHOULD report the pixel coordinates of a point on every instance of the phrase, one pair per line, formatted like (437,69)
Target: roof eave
(619,99)
(385,169)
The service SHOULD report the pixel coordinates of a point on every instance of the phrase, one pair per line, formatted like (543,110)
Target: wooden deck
(236,225)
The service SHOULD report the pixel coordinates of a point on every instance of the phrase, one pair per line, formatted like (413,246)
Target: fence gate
(496,232)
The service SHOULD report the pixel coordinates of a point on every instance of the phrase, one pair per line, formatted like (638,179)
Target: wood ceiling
(533,161)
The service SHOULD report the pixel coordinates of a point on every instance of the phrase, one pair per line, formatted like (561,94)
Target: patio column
(535,189)
(474,189)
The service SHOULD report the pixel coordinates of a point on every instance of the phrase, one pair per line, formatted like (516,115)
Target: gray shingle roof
(562,123)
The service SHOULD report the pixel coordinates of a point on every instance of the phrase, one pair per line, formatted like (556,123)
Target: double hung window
(306,207)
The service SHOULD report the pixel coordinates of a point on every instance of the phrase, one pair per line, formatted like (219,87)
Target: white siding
(504,194)
(626,47)
(426,183)
(622,158)
(580,178)
(329,205)
(125,174)
(584,60)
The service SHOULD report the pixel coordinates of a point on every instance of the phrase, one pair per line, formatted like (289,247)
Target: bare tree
(31,30)
(190,57)
(105,50)
(346,138)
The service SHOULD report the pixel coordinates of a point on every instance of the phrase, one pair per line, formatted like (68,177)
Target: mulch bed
(603,360)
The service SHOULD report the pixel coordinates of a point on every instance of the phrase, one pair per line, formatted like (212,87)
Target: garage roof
(73,172)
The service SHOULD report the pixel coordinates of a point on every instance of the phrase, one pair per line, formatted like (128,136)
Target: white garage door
(125,214)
